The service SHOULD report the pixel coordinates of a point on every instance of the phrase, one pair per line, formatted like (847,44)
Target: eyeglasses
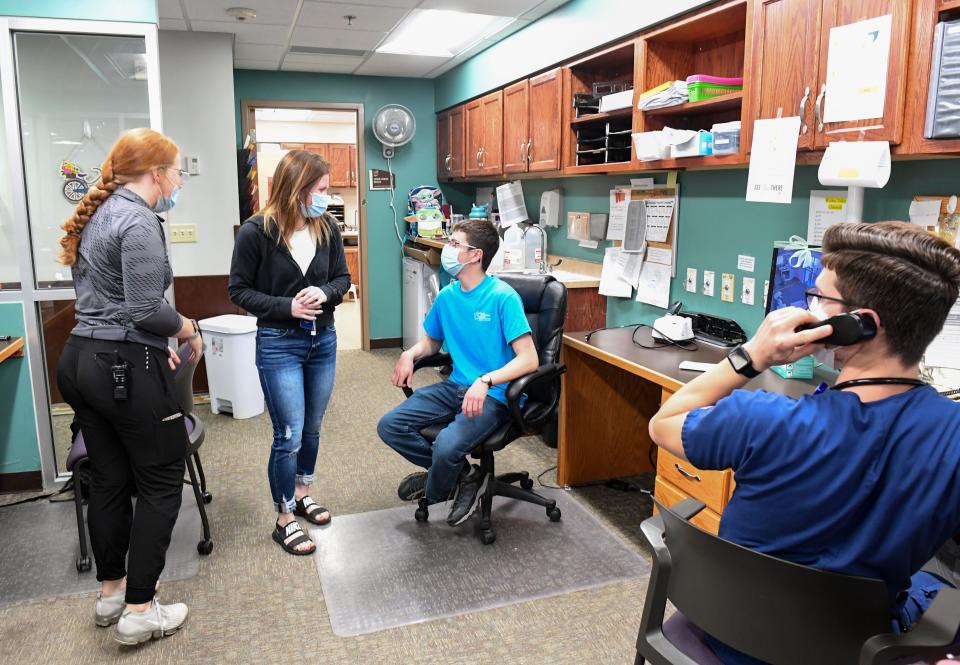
(184,175)
(814,295)
(456,244)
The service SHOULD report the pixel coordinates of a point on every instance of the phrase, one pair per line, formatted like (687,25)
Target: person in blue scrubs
(480,320)
(860,479)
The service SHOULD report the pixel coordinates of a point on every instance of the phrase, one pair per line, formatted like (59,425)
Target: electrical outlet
(691,283)
(708,283)
(766,292)
(727,283)
(183,233)
(746,294)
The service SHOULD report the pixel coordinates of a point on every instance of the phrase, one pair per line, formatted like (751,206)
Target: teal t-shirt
(477,328)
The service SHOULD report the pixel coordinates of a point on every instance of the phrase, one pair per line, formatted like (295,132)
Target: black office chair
(774,610)
(79,464)
(545,304)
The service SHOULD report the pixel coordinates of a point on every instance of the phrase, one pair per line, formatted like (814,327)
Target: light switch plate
(726,287)
(708,277)
(747,291)
(691,283)
(183,233)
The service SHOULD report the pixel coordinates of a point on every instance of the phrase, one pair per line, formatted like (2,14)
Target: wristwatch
(742,362)
(487,379)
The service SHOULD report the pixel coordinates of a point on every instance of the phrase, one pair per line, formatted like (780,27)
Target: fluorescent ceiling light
(441,33)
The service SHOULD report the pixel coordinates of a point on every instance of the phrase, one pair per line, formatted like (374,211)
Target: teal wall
(136,11)
(415,163)
(19,451)
(717,224)
(574,28)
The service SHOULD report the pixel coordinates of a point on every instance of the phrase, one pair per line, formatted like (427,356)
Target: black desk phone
(712,329)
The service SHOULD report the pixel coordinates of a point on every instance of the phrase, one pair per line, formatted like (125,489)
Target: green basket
(701,90)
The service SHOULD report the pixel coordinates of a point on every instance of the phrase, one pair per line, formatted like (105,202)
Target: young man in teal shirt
(480,320)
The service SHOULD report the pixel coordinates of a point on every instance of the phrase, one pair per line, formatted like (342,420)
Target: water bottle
(534,242)
(513,249)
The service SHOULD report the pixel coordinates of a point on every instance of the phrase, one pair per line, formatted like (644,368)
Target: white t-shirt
(303,247)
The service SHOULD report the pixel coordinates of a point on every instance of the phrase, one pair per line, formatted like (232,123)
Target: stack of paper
(668,94)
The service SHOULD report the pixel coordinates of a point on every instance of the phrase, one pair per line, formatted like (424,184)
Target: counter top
(11,349)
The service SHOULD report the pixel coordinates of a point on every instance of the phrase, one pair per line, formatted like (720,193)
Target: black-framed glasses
(816,295)
(456,244)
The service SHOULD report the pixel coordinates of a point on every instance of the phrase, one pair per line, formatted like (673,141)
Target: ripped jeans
(296,373)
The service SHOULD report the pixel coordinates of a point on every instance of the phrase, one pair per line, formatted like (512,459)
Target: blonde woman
(114,373)
(289,270)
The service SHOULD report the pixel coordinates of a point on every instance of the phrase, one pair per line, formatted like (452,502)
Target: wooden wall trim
(23,481)
(387,343)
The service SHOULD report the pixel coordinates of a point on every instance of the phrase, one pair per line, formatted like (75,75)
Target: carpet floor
(251,603)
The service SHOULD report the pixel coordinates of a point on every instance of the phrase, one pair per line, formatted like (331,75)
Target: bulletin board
(948,227)
(663,193)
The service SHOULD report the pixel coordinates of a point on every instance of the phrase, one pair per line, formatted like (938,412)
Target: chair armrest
(436,360)
(937,629)
(688,508)
(517,387)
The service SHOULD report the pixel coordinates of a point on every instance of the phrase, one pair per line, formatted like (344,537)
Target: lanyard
(882,381)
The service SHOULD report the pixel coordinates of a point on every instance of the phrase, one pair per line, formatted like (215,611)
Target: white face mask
(816,308)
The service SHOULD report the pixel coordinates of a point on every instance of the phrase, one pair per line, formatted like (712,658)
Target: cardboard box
(426,255)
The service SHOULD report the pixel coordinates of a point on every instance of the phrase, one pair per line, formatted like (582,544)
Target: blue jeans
(296,372)
(445,459)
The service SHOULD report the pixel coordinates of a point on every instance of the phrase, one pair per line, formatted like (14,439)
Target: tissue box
(651,146)
(799,369)
(616,101)
(699,144)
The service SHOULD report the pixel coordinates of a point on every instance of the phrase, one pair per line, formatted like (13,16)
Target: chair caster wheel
(207,497)
(553,514)
(422,515)
(526,484)
(205,547)
(487,537)
(83,564)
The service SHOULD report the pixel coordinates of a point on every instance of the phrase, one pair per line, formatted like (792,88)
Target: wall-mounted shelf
(722,103)
(593,117)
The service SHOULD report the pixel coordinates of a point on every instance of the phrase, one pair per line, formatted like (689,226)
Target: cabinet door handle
(529,150)
(478,157)
(816,107)
(803,105)
(483,158)
(446,162)
(522,154)
(686,474)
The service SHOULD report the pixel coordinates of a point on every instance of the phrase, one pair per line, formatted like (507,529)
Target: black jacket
(264,277)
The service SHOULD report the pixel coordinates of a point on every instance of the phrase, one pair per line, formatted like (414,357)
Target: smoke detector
(242,13)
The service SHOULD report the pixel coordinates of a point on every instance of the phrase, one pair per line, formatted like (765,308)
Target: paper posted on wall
(661,255)
(619,201)
(654,284)
(611,283)
(827,207)
(659,215)
(630,264)
(773,160)
(635,231)
(513,210)
(858,55)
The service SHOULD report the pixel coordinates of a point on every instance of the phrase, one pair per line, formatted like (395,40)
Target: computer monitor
(788,284)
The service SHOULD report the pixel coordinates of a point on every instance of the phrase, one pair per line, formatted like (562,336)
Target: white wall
(196,82)
(271,131)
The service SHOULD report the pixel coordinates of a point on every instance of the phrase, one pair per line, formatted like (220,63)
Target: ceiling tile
(328,69)
(249,33)
(408,4)
(492,7)
(259,52)
(358,39)
(173,24)
(544,8)
(330,15)
(169,9)
(269,12)
(320,59)
(254,64)
(388,64)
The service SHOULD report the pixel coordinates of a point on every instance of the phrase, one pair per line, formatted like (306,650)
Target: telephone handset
(848,328)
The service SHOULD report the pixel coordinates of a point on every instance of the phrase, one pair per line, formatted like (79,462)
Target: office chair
(545,304)
(774,610)
(79,464)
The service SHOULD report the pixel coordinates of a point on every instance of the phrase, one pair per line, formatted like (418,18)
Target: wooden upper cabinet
(516,127)
(443,145)
(546,111)
(456,142)
(491,147)
(472,136)
(354,167)
(338,156)
(785,65)
(890,126)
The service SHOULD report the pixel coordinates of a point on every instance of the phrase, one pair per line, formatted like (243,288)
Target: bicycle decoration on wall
(77,180)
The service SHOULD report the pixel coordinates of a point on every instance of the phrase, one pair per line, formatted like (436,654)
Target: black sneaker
(467,496)
(413,487)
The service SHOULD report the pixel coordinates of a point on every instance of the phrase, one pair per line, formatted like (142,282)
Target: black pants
(137,445)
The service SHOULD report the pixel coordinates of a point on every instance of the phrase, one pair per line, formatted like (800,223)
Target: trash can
(231,348)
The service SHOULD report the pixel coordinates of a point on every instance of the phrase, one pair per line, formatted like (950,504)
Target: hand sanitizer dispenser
(551,207)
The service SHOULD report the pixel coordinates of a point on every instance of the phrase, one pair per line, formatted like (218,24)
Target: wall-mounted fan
(394,126)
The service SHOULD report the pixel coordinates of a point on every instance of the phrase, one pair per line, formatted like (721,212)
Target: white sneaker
(159,621)
(108,608)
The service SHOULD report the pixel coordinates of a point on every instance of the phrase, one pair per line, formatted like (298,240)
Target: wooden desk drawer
(669,495)
(707,486)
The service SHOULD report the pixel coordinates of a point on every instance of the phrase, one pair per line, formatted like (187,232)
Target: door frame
(29,296)
(248,122)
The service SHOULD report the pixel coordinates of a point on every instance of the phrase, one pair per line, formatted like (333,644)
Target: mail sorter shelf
(603,143)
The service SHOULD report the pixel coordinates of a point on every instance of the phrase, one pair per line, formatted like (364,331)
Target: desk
(611,390)
(11,349)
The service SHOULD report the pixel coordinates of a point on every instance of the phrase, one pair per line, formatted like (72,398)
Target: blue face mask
(449,259)
(164,203)
(318,205)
